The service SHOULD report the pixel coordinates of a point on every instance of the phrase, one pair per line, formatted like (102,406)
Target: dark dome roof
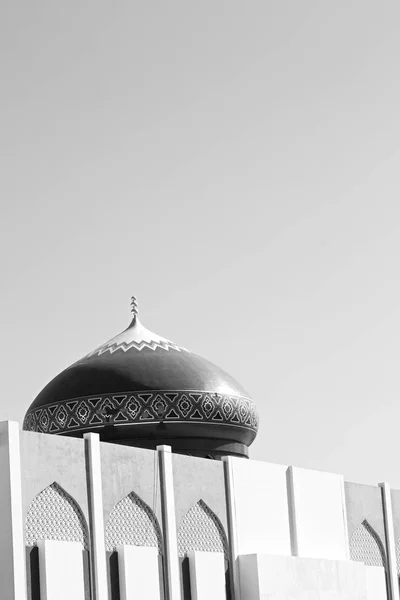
(143,390)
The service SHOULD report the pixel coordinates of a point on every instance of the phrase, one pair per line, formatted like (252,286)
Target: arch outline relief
(366,546)
(132,523)
(200,529)
(54,514)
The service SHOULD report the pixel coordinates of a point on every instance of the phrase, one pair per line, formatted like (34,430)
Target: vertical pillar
(61,570)
(317,514)
(234,575)
(97,541)
(292,512)
(345,522)
(171,561)
(207,575)
(139,573)
(390,541)
(12,547)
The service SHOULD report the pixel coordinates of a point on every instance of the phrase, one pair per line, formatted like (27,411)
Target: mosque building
(131,480)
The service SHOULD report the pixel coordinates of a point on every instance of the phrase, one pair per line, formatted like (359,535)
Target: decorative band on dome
(134,408)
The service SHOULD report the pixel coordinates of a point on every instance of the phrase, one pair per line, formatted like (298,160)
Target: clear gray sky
(236,165)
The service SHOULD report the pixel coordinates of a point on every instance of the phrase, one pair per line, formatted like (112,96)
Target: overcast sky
(236,165)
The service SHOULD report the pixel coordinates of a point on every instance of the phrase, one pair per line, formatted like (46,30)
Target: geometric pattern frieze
(201,530)
(143,407)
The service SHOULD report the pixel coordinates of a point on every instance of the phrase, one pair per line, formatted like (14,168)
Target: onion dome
(140,389)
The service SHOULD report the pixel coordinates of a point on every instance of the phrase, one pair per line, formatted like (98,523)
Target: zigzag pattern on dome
(135,337)
(141,407)
(139,387)
(124,346)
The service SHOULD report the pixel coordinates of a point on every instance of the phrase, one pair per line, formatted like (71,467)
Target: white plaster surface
(207,575)
(375,583)
(390,541)
(98,549)
(171,561)
(12,549)
(266,577)
(318,512)
(139,576)
(127,469)
(46,459)
(260,507)
(61,570)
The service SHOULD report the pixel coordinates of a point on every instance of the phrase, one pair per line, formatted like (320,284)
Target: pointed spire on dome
(140,389)
(134,307)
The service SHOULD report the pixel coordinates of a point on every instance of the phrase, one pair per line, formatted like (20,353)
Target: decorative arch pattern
(54,515)
(133,523)
(201,530)
(398,557)
(366,546)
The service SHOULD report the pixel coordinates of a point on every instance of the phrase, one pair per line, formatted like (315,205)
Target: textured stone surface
(132,523)
(201,530)
(54,515)
(365,546)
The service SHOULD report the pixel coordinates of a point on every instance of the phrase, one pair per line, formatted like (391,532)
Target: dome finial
(134,306)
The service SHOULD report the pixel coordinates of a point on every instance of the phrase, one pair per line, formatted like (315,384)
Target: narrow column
(234,575)
(317,514)
(207,575)
(390,541)
(292,511)
(170,544)
(139,573)
(12,547)
(97,542)
(345,522)
(61,570)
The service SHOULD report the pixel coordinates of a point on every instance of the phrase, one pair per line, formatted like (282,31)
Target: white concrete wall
(172,581)
(139,576)
(319,527)
(61,570)
(260,507)
(98,563)
(12,550)
(265,577)
(207,575)
(273,511)
(375,583)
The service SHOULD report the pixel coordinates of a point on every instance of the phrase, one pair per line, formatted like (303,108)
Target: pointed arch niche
(366,546)
(201,530)
(54,515)
(398,557)
(133,523)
